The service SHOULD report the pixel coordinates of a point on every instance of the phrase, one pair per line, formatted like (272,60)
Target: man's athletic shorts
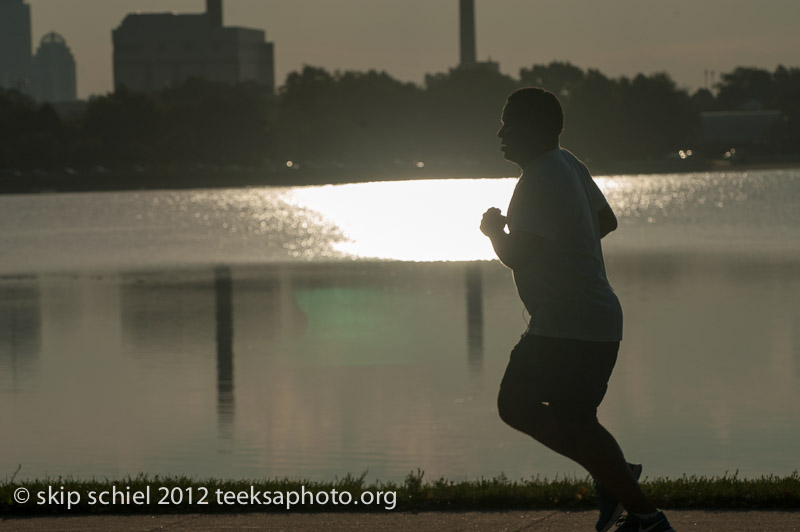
(570,375)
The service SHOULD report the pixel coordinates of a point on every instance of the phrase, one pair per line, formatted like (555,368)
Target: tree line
(369,118)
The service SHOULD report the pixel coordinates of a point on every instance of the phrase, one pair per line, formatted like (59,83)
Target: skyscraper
(54,70)
(15,45)
(153,51)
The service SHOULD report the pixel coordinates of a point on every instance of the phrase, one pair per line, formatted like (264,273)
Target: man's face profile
(518,135)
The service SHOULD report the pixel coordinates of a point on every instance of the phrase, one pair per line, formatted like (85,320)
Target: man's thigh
(570,375)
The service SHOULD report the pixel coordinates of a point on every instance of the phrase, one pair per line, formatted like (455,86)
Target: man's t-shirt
(564,288)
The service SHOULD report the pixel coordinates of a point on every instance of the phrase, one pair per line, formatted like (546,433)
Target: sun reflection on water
(426,220)
(431,220)
(437,220)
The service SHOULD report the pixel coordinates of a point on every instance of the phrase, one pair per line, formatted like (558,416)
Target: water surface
(312,332)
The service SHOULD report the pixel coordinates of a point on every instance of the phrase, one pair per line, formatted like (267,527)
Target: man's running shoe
(610,508)
(657,523)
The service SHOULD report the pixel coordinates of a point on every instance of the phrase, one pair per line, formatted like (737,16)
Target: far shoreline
(100,179)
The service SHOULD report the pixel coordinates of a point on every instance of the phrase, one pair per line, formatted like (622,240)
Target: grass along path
(154,494)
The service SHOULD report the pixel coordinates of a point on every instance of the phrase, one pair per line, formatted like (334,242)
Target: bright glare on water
(412,221)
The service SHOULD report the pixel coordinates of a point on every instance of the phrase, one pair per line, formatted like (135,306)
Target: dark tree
(216,123)
(462,113)
(746,88)
(32,135)
(557,77)
(126,127)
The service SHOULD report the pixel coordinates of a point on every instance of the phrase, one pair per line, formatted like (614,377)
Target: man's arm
(515,250)
(606,219)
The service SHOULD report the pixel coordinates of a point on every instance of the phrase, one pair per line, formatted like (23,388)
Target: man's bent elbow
(607,221)
(605,230)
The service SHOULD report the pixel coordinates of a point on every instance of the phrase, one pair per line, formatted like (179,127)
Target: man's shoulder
(574,161)
(557,167)
(558,160)
(542,169)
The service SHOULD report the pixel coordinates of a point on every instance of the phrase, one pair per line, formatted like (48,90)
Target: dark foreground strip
(65,496)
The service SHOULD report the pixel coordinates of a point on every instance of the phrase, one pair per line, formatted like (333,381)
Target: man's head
(532,123)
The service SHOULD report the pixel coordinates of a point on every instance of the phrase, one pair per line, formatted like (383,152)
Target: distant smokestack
(468,49)
(214,12)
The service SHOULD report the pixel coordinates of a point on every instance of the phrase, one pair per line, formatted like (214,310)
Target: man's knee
(508,407)
(517,410)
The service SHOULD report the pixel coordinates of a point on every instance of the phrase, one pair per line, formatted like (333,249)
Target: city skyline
(409,39)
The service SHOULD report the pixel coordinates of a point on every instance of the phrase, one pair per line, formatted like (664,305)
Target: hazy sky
(409,38)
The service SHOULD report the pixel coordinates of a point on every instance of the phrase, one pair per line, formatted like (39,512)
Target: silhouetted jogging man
(557,374)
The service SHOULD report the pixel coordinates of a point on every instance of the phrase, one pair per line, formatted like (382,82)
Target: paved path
(540,521)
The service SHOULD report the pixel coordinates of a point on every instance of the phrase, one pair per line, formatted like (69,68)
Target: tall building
(157,50)
(469,54)
(15,45)
(469,48)
(54,70)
